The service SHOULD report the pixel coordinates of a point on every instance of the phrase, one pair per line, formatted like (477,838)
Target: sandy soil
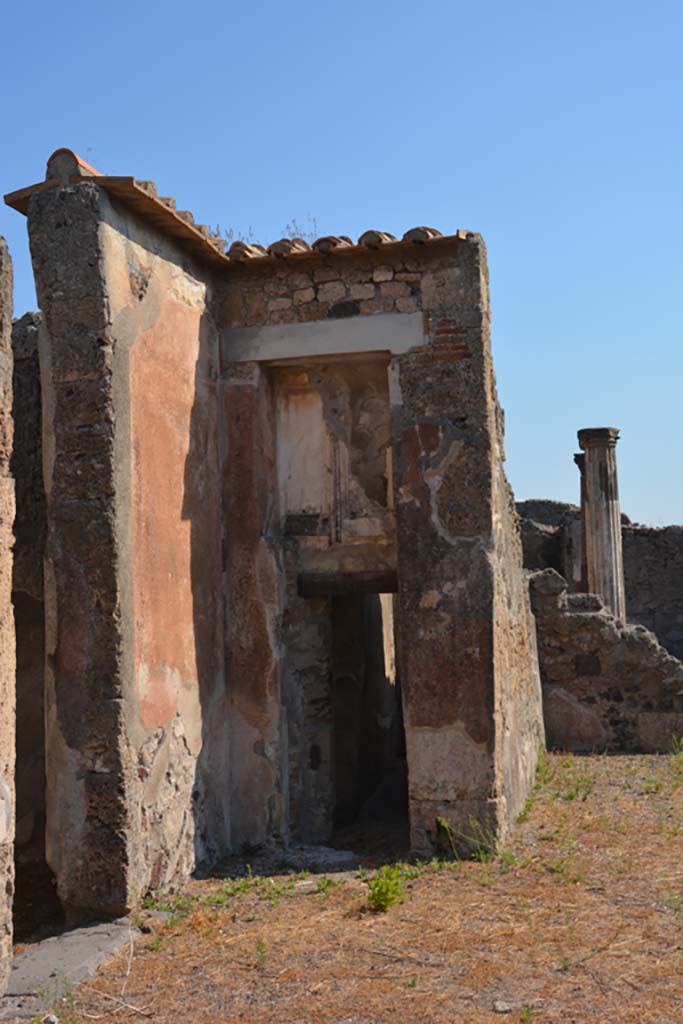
(577,918)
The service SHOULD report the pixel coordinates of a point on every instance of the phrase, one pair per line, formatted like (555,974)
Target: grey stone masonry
(7,674)
(601,517)
(606,685)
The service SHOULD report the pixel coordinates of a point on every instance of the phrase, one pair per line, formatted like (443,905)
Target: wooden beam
(319,584)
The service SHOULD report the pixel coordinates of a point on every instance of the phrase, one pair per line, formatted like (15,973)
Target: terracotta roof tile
(373,239)
(286,246)
(66,167)
(420,235)
(328,243)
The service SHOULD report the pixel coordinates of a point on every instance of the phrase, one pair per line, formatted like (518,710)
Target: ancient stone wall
(653,564)
(467,663)
(7,654)
(87,830)
(133,609)
(519,713)
(606,686)
(27,590)
(653,572)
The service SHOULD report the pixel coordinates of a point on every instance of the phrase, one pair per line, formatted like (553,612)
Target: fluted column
(580,574)
(602,517)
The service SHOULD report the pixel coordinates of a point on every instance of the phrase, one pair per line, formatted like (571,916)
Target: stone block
(332,291)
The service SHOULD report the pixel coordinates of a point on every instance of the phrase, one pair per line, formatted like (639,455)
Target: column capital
(598,437)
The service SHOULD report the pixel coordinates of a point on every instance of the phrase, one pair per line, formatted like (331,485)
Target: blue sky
(553,129)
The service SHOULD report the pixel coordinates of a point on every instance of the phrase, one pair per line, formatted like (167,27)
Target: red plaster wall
(176,510)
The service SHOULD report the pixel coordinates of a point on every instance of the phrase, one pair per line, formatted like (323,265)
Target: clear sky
(552,128)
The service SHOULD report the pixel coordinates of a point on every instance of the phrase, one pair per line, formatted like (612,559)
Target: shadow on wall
(201,506)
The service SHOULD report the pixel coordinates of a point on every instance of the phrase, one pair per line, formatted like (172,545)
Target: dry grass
(578,919)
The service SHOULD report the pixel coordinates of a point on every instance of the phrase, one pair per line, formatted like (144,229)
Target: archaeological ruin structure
(268,575)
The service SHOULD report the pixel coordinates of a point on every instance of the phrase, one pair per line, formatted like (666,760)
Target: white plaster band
(383,332)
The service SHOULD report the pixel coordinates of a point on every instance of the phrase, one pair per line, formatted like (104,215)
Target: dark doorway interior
(37,911)
(369,758)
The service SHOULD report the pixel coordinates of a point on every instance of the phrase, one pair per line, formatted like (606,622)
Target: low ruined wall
(653,564)
(135,707)
(653,572)
(27,590)
(606,686)
(7,674)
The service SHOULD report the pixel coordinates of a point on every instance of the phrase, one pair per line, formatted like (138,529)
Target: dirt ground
(577,918)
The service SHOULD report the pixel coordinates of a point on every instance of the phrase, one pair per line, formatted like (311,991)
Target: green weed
(323,885)
(386,888)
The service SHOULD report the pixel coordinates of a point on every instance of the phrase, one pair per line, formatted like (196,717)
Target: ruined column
(602,517)
(578,534)
(7,688)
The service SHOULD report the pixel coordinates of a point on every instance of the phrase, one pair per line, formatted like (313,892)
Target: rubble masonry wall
(27,590)
(606,685)
(7,653)
(467,653)
(653,564)
(133,611)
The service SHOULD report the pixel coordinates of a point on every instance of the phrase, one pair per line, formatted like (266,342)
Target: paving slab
(46,971)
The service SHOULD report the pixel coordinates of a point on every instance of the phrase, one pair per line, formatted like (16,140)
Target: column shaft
(602,518)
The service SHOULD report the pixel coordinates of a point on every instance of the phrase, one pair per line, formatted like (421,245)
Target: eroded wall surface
(653,573)
(133,600)
(27,590)
(607,686)
(470,676)
(7,673)
(254,596)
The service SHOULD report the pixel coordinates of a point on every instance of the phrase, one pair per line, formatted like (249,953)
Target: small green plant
(508,861)
(157,943)
(525,1014)
(580,788)
(674,901)
(653,784)
(412,982)
(412,871)
(544,771)
(61,995)
(568,870)
(544,775)
(677,754)
(438,865)
(482,841)
(445,838)
(386,888)
(323,885)
(260,954)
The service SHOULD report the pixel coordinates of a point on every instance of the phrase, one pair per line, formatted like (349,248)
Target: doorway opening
(368,749)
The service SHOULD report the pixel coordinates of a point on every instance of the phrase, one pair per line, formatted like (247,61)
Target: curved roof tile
(373,239)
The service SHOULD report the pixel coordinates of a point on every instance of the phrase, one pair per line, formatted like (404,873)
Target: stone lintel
(385,332)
